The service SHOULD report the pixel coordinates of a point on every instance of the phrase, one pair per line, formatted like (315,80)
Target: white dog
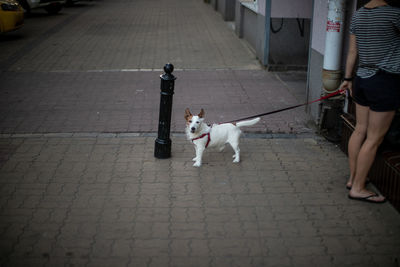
(218,135)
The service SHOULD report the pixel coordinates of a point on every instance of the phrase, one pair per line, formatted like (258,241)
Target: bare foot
(349,183)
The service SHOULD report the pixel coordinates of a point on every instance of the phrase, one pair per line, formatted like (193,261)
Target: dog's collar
(203,135)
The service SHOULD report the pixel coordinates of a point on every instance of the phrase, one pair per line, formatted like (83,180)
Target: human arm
(350,64)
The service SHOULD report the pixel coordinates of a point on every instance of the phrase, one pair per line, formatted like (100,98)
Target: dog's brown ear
(201,114)
(187,113)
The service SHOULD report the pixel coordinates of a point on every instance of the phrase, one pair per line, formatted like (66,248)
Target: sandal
(368,199)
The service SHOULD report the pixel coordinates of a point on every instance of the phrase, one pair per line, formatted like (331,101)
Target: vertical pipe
(331,74)
(267,30)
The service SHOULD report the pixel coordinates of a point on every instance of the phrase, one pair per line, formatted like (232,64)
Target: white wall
(287,8)
(291,9)
(319,25)
(261,6)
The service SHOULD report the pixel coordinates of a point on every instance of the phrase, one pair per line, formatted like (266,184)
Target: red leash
(292,107)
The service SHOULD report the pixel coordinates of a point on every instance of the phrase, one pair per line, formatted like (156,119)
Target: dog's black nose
(193,129)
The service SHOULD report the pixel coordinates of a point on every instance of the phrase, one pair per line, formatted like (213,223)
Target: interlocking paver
(209,216)
(79,184)
(100,111)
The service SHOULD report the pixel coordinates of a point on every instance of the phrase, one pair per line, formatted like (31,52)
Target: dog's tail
(247,123)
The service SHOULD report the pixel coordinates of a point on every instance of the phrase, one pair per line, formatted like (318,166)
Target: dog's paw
(194,159)
(236,160)
(197,164)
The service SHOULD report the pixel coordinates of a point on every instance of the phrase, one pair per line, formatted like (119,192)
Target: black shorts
(380,92)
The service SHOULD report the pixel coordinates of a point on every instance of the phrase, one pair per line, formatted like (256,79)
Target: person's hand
(348,86)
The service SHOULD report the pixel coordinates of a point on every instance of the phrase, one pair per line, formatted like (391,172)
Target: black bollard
(162,148)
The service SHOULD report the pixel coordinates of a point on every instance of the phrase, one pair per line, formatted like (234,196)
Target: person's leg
(356,140)
(378,125)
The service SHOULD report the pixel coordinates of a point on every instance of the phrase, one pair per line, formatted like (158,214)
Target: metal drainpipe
(331,73)
(267,25)
(330,123)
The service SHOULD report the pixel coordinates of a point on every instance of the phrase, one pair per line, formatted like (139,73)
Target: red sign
(333,26)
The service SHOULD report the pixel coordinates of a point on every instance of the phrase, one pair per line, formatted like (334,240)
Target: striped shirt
(377,32)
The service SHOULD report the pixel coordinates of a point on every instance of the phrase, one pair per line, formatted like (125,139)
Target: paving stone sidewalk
(104,200)
(104,35)
(129,101)
(79,185)
(95,68)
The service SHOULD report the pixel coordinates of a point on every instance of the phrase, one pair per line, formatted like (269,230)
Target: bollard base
(162,149)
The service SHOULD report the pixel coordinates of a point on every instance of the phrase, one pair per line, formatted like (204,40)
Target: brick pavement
(129,101)
(122,34)
(104,200)
(88,70)
(79,185)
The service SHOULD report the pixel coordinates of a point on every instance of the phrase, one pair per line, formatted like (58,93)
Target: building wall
(291,9)
(319,25)
(227,9)
(315,83)
(320,14)
(260,42)
(287,8)
(250,25)
(288,47)
(289,34)
(221,6)
(214,4)
(250,33)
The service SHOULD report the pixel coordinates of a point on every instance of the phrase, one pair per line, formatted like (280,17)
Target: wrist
(348,79)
